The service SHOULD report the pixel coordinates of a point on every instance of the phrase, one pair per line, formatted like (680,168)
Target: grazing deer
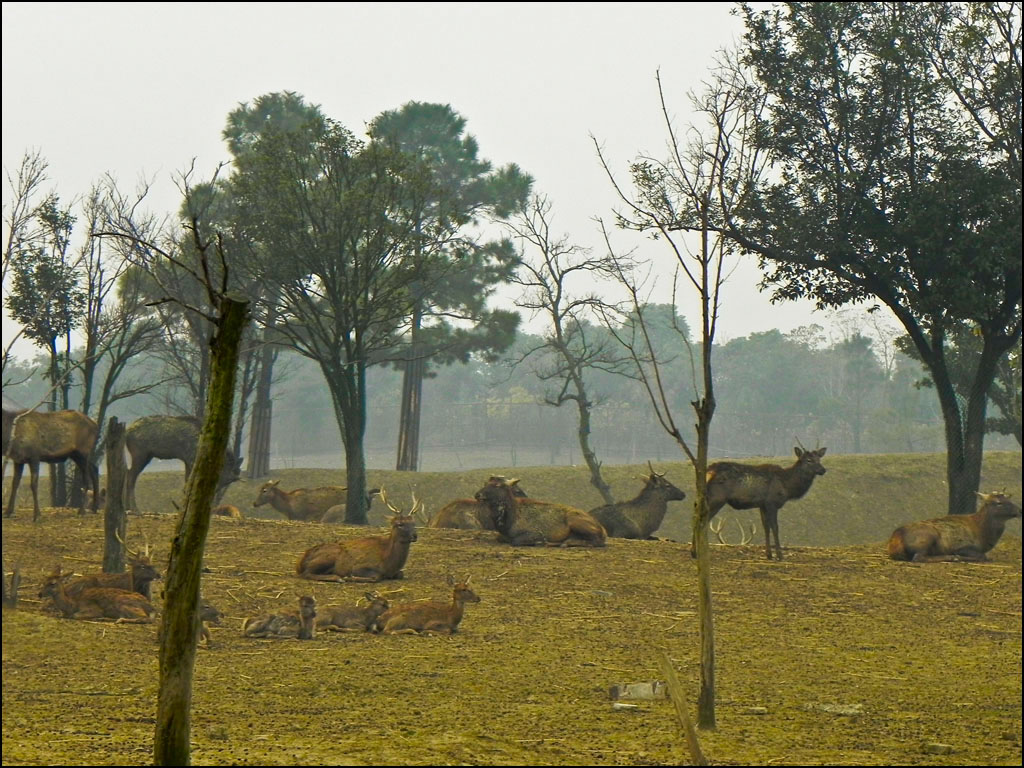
(227,510)
(283,625)
(336,514)
(528,522)
(97,602)
(965,537)
(640,517)
(305,504)
(357,618)
(429,617)
(170,437)
(468,514)
(764,486)
(370,558)
(52,437)
(745,538)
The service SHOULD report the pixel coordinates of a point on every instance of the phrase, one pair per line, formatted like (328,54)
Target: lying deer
(468,514)
(284,625)
(138,578)
(227,510)
(97,602)
(967,537)
(641,516)
(370,558)
(764,486)
(429,617)
(527,522)
(357,618)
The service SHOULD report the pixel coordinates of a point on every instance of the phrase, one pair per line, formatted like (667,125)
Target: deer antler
(744,538)
(656,474)
(388,504)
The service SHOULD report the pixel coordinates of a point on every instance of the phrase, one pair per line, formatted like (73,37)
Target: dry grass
(917,655)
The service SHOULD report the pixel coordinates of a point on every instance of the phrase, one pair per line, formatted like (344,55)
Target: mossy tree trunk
(114,522)
(181,587)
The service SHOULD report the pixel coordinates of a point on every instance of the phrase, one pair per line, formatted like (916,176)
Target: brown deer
(370,558)
(287,624)
(306,504)
(207,615)
(764,486)
(97,602)
(336,514)
(357,618)
(964,537)
(640,517)
(170,437)
(468,514)
(138,578)
(429,617)
(227,510)
(527,522)
(53,437)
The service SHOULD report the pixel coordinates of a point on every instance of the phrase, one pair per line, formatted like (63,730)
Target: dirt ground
(831,657)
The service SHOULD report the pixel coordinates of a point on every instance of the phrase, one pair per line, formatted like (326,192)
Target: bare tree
(686,192)
(227,320)
(573,344)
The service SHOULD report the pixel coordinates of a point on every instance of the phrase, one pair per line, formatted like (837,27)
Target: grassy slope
(861,499)
(920,654)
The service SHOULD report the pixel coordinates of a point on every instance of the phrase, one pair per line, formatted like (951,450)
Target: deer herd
(501,505)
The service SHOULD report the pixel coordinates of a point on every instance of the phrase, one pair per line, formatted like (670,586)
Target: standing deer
(97,602)
(52,437)
(357,618)
(170,437)
(468,514)
(528,522)
(306,504)
(967,537)
(764,486)
(370,558)
(640,517)
(429,617)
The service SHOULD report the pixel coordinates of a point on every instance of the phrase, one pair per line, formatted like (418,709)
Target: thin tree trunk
(413,373)
(115,526)
(262,411)
(583,434)
(181,587)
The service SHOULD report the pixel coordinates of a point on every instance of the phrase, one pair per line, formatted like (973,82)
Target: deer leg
(15,480)
(133,474)
(767,526)
(33,468)
(85,477)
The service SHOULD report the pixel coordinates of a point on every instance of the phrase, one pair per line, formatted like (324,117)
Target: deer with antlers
(370,558)
(763,486)
(641,516)
(138,578)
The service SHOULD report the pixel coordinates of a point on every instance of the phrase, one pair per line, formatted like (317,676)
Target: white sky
(139,89)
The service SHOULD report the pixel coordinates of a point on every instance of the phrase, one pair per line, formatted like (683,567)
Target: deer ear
(451,580)
(798,452)
(822,451)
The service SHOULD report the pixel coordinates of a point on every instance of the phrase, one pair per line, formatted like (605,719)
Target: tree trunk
(583,434)
(259,433)
(706,699)
(181,586)
(413,373)
(115,527)
(348,395)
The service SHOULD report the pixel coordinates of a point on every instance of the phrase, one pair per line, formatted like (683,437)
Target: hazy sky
(139,89)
